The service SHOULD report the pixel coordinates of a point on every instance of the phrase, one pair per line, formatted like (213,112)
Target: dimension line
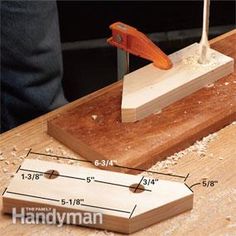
(115,165)
(139,184)
(61,157)
(121,185)
(4,191)
(34,196)
(28,152)
(105,208)
(186,177)
(18,168)
(65,176)
(132,211)
(72,177)
(149,171)
(188,187)
(194,185)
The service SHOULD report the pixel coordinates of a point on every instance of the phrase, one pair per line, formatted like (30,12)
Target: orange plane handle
(135,42)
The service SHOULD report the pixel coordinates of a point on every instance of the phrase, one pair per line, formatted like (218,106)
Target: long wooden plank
(149,89)
(127,203)
(141,144)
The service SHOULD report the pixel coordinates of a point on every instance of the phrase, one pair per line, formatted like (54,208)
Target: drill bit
(204,44)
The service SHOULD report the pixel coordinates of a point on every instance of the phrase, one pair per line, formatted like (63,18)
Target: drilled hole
(51,174)
(136,188)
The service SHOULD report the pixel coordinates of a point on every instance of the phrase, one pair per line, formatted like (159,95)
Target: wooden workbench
(214,207)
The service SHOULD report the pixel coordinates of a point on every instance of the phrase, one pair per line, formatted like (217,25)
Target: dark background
(90,64)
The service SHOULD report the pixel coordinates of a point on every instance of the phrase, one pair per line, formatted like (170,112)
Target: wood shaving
(4,170)
(63,153)
(94,117)
(210,85)
(2,158)
(22,157)
(71,162)
(194,64)
(14,149)
(158,112)
(7,162)
(14,163)
(13,154)
(199,147)
(49,150)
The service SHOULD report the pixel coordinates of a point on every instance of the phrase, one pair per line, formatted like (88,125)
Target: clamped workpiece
(127,39)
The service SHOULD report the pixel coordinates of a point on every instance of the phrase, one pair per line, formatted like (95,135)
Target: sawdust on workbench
(199,149)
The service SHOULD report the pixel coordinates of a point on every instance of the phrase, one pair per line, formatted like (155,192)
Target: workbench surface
(215,159)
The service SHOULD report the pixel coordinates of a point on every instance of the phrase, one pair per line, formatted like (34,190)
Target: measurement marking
(62,157)
(186,177)
(149,171)
(65,176)
(121,185)
(188,187)
(72,177)
(138,184)
(105,208)
(4,191)
(132,211)
(50,176)
(115,165)
(29,195)
(28,152)
(194,185)
(18,168)
(98,181)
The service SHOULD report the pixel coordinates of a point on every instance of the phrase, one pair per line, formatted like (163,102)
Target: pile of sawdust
(199,147)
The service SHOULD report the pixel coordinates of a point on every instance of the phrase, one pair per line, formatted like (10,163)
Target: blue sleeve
(31,61)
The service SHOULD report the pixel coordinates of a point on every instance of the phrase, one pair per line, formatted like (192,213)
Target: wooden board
(149,89)
(141,144)
(126,204)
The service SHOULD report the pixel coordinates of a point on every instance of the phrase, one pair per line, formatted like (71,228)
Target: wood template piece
(107,193)
(148,90)
(141,144)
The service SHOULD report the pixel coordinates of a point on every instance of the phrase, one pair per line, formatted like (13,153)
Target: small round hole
(51,174)
(136,188)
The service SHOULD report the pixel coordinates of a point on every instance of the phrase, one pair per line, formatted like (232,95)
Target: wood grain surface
(126,203)
(214,208)
(141,144)
(149,90)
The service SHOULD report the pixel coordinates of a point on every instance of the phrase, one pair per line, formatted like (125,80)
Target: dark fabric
(31,61)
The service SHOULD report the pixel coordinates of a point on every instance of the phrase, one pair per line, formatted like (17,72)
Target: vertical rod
(204,44)
(122,63)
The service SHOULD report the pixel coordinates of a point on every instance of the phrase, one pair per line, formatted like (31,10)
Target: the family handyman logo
(52,216)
